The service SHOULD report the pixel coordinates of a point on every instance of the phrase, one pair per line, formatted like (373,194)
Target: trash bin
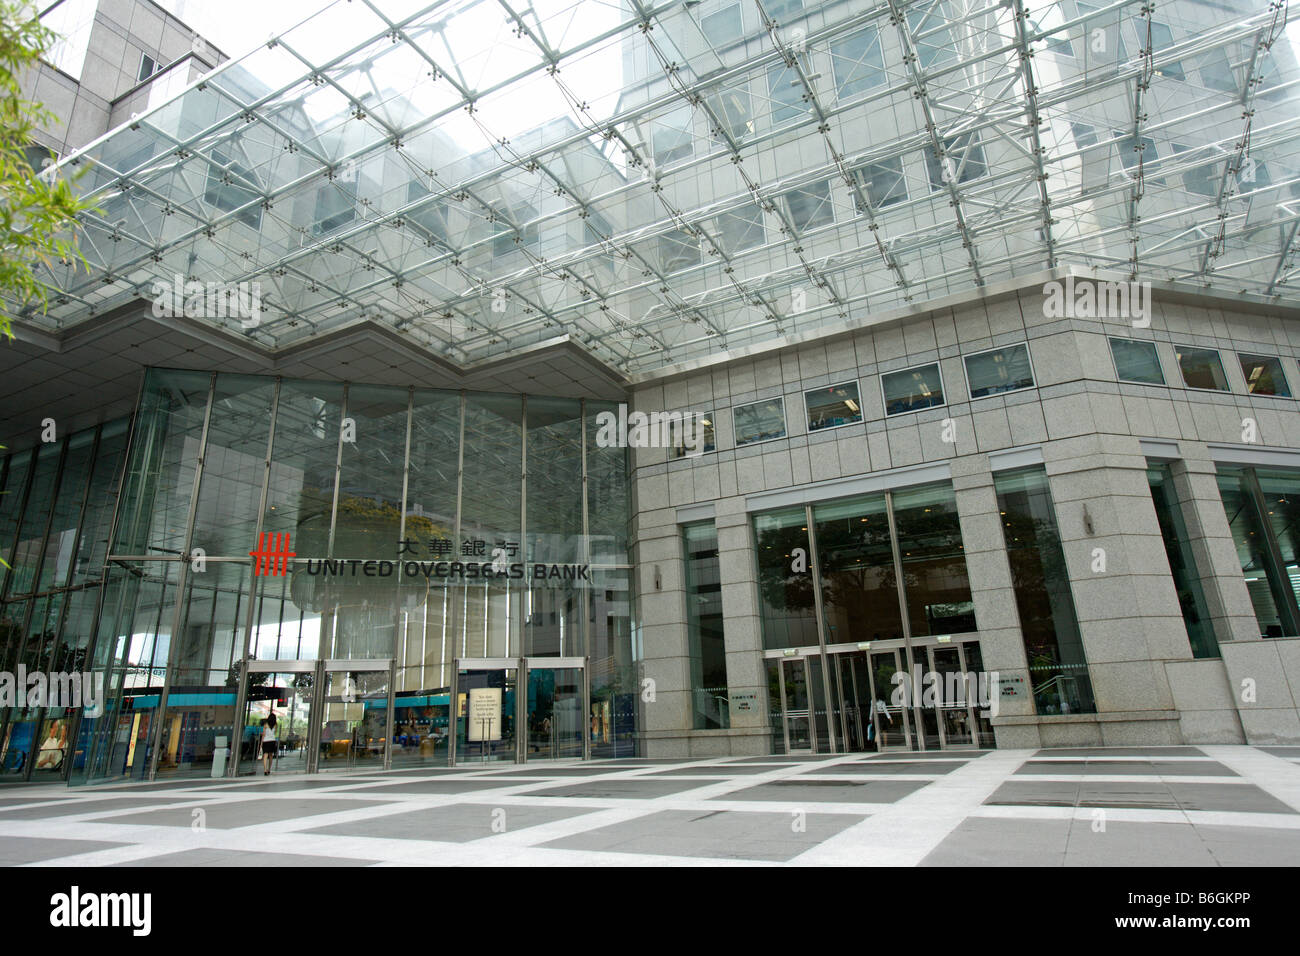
(219,756)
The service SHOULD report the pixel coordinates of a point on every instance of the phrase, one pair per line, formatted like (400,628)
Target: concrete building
(965,352)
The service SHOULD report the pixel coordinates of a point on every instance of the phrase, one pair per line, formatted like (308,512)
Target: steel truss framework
(661,181)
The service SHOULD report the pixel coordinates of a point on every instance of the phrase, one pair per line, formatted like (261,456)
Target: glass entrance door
(956,722)
(891,722)
(354,716)
(851,685)
(557,718)
(796,710)
(484,701)
(285,689)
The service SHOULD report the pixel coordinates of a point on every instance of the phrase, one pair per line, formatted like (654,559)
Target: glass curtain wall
(859,554)
(1263,507)
(408,525)
(56,505)
(1182,563)
(710,707)
(1058,669)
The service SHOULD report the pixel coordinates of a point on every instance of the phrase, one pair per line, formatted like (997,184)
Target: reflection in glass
(999,370)
(935,579)
(353,716)
(859,586)
(1136,361)
(1201,368)
(1262,510)
(759,421)
(234,465)
(785,595)
(912,389)
(304,461)
(160,475)
(1264,375)
(833,406)
(369,517)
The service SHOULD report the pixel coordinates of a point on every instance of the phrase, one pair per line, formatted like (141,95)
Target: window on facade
(741,229)
(810,206)
(732,110)
(783,11)
(1263,510)
(759,421)
(231,185)
(148,66)
(785,586)
(912,389)
(694,437)
(723,27)
(671,139)
(962,160)
(704,627)
(1216,71)
(935,581)
(858,63)
(1201,368)
(856,558)
(999,370)
(514,228)
(431,217)
(677,250)
(884,182)
(1130,155)
(1182,563)
(335,205)
(1161,38)
(1264,375)
(786,91)
(833,406)
(1058,669)
(1136,361)
(1202,179)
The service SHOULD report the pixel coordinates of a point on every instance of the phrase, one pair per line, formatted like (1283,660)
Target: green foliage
(36,214)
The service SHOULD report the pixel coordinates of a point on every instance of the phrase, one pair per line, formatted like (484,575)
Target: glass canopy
(660,182)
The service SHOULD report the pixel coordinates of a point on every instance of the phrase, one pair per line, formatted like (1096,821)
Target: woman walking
(269,743)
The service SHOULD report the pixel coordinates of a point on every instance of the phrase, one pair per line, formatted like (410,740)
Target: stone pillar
(1129,617)
(661,610)
(742,627)
(1002,646)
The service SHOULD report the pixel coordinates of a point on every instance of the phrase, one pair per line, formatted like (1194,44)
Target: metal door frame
(334,665)
(907,718)
(459,664)
(785,713)
(318,669)
(970,716)
(531,664)
(522,666)
(247,667)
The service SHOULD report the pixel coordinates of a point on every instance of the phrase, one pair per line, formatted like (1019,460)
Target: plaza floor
(1167,806)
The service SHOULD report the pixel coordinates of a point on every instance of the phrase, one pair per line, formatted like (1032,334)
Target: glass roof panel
(663,181)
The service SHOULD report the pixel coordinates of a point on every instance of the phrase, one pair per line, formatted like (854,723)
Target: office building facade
(673,381)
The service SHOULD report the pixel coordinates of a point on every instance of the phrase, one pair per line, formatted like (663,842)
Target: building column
(1002,646)
(742,629)
(656,550)
(1129,618)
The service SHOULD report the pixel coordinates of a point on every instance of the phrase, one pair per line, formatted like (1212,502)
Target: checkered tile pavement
(1172,806)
